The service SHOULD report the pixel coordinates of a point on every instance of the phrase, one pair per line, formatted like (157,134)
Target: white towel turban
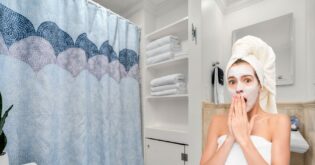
(262,58)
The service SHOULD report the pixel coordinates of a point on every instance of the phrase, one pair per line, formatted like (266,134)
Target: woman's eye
(231,82)
(248,80)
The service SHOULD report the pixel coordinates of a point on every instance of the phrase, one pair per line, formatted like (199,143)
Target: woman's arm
(211,155)
(251,154)
(280,153)
(242,130)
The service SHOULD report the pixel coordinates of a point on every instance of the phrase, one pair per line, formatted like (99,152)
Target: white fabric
(171,47)
(262,58)
(162,41)
(298,143)
(169,79)
(236,155)
(179,86)
(168,92)
(160,58)
(217,88)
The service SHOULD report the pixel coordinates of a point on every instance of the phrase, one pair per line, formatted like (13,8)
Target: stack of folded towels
(168,85)
(162,49)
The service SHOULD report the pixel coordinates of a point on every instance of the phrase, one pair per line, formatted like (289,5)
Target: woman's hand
(241,128)
(231,111)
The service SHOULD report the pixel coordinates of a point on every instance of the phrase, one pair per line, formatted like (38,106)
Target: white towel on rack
(171,47)
(169,79)
(162,41)
(160,58)
(217,88)
(168,92)
(178,85)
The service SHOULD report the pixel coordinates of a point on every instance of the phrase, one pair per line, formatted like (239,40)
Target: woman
(252,132)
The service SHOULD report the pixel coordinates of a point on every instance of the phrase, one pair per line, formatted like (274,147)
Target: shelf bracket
(194,33)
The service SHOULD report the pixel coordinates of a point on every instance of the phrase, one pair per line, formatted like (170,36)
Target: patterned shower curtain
(71,70)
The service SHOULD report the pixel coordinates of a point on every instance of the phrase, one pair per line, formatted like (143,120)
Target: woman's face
(242,80)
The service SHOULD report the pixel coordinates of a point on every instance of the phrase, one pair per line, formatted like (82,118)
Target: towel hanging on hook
(217,84)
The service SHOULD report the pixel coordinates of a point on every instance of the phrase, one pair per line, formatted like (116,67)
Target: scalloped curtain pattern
(71,71)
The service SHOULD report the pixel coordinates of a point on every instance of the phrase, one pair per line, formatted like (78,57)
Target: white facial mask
(250,92)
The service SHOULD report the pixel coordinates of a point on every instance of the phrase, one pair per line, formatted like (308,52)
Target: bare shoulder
(219,118)
(281,119)
(218,122)
(281,125)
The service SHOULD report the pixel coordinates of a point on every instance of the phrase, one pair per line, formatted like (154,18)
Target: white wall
(212,50)
(310,22)
(168,14)
(262,11)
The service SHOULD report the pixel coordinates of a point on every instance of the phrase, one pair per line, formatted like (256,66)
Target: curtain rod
(119,16)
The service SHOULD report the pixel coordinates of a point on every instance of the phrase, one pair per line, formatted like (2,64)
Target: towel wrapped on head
(262,58)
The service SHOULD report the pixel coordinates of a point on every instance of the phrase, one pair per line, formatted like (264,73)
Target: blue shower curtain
(71,70)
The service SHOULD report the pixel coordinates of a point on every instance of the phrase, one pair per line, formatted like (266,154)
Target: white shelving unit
(161,127)
(178,28)
(168,97)
(168,120)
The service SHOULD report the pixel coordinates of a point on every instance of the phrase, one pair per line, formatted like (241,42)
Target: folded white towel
(160,57)
(169,79)
(179,86)
(165,48)
(162,41)
(168,92)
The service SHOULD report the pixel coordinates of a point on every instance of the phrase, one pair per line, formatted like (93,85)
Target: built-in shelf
(167,134)
(182,60)
(168,97)
(178,28)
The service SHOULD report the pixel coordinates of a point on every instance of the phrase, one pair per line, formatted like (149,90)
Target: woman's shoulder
(280,118)
(219,121)
(280,122)
(219,117)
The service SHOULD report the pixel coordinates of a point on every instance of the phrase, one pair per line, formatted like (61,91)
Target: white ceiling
(120,6)
(117,6)
(228,6)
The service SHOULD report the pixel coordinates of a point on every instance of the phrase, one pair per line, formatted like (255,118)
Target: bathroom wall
(309,128)
(212,50)
(217,30)
(310,22)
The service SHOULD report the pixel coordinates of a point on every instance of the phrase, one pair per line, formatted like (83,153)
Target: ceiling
(120,6)
(228,6)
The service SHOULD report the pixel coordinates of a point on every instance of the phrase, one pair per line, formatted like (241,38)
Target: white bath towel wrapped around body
(236,155)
